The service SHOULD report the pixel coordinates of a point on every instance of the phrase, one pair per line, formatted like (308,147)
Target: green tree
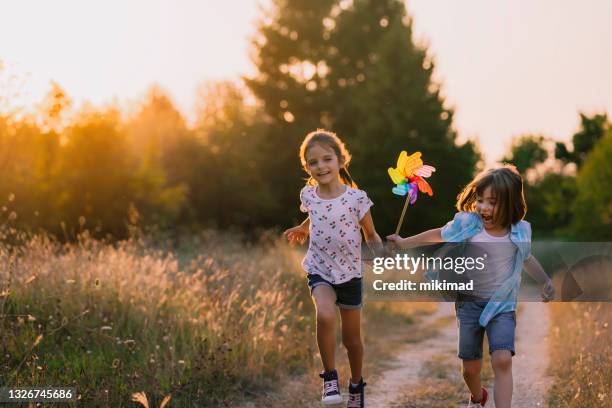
(155,133)
(591,130)
(550,196)
(96,178)
(549,203)
(592,208)
(28,160)
(526,152)
(231,187)
(29,152)
(356,70)
(289,52)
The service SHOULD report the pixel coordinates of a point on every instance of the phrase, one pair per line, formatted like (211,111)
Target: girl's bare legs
(471,375)
(324,299)
(351,338)
(502,368)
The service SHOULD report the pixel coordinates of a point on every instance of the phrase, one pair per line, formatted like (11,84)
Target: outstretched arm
(432,236)
(535,270)
(299,233)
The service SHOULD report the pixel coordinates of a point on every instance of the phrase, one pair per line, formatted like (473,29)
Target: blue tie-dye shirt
(467,224)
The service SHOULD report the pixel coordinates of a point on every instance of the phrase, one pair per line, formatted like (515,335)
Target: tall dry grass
(112,319)
(581,354)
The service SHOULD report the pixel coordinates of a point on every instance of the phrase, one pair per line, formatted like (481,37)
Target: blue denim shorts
(500,329)
(348,294)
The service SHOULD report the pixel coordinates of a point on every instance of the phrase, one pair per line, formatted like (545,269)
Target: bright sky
(508,67)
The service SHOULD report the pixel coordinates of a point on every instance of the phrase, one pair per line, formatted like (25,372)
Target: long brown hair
(329,139)
(506,186)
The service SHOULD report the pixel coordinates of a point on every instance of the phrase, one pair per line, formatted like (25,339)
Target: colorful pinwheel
(409,177)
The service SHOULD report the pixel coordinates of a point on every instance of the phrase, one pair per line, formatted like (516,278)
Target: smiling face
(487,208)
(497,196)
(323,164)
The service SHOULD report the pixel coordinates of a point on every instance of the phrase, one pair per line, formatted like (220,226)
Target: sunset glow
(507,69)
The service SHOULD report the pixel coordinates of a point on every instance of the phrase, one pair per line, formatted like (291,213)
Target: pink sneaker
(482,401)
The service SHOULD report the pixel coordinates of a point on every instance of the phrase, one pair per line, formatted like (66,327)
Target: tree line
(349,66)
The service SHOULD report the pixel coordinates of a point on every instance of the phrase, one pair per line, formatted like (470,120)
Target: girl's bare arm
(298,234)
(432,236)
(535,270)
(371,236)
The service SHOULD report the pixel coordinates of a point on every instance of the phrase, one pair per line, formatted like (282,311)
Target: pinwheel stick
(399,224)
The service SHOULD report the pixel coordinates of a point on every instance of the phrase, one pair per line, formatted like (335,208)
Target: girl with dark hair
(491,211)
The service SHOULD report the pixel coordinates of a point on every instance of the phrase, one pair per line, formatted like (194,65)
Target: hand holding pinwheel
(409,177)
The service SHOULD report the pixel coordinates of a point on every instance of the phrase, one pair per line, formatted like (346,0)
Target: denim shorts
(500,329)
(348,294)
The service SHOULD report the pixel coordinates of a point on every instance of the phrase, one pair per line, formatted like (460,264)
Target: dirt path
(404,370)
(405,374)
(529,365)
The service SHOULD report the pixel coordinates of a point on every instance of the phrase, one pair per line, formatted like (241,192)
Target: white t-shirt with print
(334,250)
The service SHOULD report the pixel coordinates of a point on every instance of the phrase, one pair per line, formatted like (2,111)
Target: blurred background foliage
(351,67)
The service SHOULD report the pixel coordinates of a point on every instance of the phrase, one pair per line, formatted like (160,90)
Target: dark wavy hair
(506,186)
